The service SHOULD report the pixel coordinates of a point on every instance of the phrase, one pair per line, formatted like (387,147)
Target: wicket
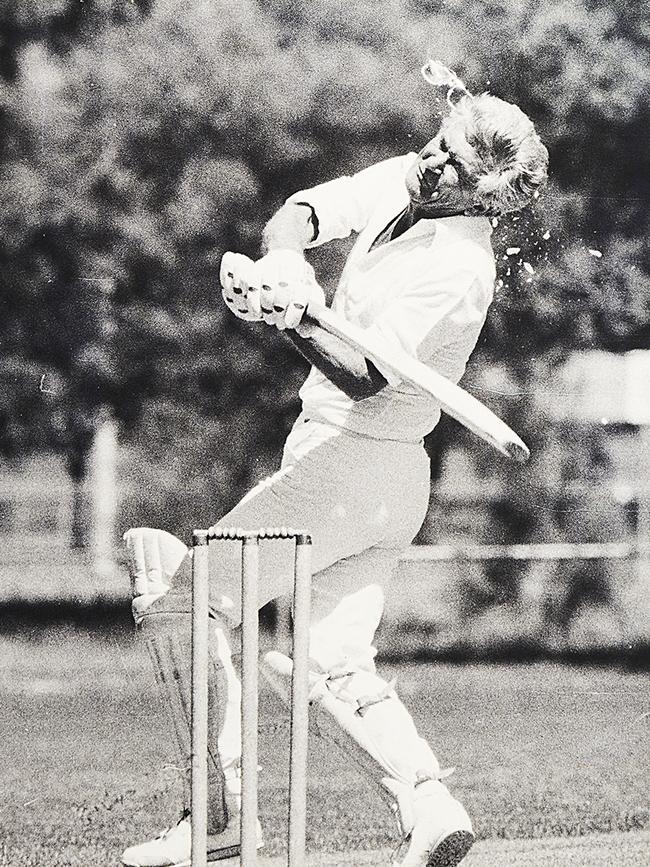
(249,541)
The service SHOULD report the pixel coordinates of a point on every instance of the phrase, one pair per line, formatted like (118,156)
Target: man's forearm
(293,227)
(346,368)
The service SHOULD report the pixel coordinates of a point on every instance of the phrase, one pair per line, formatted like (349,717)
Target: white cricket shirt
(427,291)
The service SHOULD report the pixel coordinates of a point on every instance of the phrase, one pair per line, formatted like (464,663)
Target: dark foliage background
(140,140)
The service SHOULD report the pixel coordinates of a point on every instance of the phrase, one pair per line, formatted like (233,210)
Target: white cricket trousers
(362,500)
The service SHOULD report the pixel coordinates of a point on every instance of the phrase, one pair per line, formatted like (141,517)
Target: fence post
(643,528)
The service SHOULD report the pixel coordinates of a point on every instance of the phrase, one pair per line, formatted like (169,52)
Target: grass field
(628,848)
(542,752)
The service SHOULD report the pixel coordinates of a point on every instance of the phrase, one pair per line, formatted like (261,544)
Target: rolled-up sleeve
(345,205)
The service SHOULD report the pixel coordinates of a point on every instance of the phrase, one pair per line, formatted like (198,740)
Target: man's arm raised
(292,227)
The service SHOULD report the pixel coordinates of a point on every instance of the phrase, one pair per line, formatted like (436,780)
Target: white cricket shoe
(172,848)
(442,833)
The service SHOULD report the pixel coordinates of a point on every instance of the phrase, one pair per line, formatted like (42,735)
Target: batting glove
(276,289)
(240,287)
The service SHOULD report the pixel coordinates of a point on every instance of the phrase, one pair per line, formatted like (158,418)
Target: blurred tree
(142,139)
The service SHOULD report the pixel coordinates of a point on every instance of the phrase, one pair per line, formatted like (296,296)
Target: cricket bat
(452,398)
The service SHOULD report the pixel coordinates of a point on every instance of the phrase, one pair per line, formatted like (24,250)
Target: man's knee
(344,637)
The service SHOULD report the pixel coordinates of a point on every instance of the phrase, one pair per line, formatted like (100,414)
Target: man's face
(439,182)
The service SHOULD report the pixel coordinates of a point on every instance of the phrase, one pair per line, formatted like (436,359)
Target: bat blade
(454,400)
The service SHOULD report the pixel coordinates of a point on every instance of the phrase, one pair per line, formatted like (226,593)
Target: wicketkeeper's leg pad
(169,642)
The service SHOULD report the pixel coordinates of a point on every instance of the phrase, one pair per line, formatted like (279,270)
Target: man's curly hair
(510,163)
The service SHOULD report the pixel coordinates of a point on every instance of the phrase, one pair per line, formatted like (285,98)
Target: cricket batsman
(354,472)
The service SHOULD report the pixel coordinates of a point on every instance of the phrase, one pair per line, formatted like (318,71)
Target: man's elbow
(368,385)
(292,227)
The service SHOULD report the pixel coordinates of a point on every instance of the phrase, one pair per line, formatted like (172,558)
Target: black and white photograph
(324,433)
